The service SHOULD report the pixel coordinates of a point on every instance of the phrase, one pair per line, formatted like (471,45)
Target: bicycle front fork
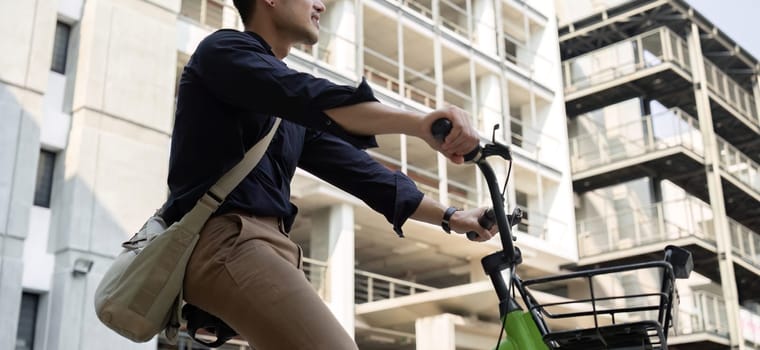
(522,332)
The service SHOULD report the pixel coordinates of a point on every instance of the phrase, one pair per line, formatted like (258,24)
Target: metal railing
(648,224)
(539,225)
(371,287)
(731,92)
(461,195)
(745,243)
(750,322)
(451,17)
(315,271)
(539,144)
(425,9)
(537,66)
(738,165)
(624,58)
(205,12)
(391,82)
(708,315)
(596,145)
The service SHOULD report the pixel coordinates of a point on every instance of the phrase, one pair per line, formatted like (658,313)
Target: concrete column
(332,241)
(115,161)
(24,69)
(436,332)
(340,21)
(484,18)
(715,190)
(756,94)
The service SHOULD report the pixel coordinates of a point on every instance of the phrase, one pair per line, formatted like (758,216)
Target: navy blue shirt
(229,92)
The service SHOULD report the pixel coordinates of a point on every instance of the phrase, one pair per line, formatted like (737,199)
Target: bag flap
(150,230)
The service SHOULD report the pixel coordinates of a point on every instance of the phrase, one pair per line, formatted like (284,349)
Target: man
(245,269)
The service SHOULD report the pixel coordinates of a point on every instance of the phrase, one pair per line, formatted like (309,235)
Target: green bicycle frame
(522,333)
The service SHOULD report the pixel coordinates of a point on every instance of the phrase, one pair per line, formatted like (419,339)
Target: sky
(739,19)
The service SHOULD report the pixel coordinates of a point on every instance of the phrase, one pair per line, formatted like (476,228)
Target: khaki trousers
(247,271)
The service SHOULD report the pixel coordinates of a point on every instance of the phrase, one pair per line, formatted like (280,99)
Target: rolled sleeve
(239,70)
(390,193)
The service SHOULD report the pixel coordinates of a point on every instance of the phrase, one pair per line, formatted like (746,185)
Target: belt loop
(281,225)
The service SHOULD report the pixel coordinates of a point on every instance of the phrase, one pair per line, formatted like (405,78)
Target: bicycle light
(681,261)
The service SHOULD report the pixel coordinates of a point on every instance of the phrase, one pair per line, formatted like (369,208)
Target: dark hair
(244,7)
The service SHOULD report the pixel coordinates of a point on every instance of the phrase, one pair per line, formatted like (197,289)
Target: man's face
(300,19)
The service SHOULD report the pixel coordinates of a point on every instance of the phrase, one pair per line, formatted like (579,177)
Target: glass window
(191,9)
(60,47)
(27,320)
(44,185)
(214,12)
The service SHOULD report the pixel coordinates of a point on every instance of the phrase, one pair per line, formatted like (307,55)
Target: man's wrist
(446,220)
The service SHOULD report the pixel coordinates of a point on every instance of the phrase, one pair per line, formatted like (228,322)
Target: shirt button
(328,122)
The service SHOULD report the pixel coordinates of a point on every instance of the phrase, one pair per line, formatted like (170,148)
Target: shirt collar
(262,41)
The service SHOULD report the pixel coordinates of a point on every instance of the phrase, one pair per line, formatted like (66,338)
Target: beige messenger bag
(141,293)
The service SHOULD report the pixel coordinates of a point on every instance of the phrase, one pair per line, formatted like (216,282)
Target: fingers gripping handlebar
(440,129)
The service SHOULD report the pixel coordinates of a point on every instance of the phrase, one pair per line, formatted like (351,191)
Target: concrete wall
(24,68)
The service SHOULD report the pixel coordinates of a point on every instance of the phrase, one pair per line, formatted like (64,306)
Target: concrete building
(664,140)
(86,101)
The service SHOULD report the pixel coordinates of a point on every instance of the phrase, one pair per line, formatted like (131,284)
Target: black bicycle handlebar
(440,129)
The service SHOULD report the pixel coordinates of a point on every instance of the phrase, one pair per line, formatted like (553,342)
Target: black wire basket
(623,307)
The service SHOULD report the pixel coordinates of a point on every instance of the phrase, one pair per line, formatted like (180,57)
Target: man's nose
(319,6)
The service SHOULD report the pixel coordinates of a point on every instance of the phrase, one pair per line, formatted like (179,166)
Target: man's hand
(462,139)
(464,221)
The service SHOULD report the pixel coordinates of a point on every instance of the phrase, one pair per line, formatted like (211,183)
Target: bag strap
(213,198)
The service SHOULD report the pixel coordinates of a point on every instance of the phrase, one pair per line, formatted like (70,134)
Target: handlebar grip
(486,221)
(441,128)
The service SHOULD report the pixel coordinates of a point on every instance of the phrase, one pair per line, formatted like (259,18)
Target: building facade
(663,128)
(87,90)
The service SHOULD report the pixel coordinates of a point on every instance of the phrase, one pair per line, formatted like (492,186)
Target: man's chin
(311,39)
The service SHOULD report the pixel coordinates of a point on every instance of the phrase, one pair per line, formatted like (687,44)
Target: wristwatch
(446,217)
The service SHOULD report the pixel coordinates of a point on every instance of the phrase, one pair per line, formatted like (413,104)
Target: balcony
(734,110)
(640,234)
(382,72)
(656,62)
(371,287)
(368,287)
(667,143)
(536,144)
(745,243)
(702,323)
(539,225)
(529,63)
(741,185)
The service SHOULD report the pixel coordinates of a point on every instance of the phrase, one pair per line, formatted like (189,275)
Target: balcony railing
(655,223)
(423,8)
(539,144)
(597,146)
(373,287)
(462,196)
(539,225)
(731,92)
(389,81)
(452,16)
(206,12)
(315,272)
(369,286)
(707,314)
(745,242)
(749,321)
(739,166)
(536,65)
(643,51)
